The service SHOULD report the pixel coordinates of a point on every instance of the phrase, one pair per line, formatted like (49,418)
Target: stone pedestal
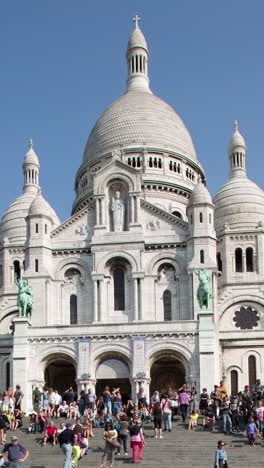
(20,361)
(208,351)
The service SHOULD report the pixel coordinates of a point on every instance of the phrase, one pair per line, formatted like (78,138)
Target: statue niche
(117,207)
(118,212)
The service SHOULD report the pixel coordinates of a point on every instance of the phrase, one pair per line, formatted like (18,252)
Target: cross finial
(30,143)
(136,19)
(236,125)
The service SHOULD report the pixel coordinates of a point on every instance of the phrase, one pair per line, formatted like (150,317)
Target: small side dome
(200,195)
(13,225)
(40,207)
(239,203)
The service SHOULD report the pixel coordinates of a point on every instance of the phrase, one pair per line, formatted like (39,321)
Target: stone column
(85,382)
(131,210)
(101,300)
(97,211)
(95,301)
(135,290)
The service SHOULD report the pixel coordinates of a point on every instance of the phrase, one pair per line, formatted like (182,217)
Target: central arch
(166,368)
(114,372)
(60,372)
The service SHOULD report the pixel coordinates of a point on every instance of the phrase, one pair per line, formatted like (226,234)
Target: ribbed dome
(13,224)
(40,206)
(236,140)
(137,39)
(200,195)
(136,119)
(240,203)
(31,157)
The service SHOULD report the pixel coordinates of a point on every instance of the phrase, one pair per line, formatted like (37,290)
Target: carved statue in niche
(118,212)
(167,273)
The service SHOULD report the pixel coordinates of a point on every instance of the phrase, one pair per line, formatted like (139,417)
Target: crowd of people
(123,418)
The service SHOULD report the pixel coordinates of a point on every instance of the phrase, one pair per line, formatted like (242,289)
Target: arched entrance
(113,372)
(60,373)
(167,369)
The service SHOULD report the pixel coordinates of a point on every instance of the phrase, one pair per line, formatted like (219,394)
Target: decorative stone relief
(83,229)
(153,225)
(246,318)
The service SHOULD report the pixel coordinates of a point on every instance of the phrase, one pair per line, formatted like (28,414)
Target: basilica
(150,282)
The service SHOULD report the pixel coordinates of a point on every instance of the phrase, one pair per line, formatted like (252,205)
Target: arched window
(238,260)
(249,259)
(177,213)
(36,265)
(8,374)
(71,273)
(234,382)
(36,228)
(201,256)
(119,289)
(73,309)
(219,262)
(252,374)
(167,305)
(201,217)
(17,272)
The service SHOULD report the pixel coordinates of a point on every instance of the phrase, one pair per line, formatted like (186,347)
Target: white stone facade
(121,299)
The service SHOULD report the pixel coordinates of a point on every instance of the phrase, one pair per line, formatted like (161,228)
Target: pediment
(117,169)
(156,221)
(78,227)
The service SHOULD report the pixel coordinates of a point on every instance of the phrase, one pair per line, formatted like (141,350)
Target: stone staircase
(181,447)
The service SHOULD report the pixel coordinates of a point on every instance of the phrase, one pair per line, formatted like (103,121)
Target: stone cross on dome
(136,19)
(236,125)
(30,143)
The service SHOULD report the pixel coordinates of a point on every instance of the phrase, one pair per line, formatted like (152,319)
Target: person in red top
(50,434)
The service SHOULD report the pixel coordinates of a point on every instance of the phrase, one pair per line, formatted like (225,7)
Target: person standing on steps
(66,439)
(184,400)
(157,418)
(167,412)
(137,441)
(12,453)
(220,456)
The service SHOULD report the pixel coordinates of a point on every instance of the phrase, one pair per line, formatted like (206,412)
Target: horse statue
(204,292)
(24,298)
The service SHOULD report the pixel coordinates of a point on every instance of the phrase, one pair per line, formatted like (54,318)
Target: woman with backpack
(137,441)
(111,444)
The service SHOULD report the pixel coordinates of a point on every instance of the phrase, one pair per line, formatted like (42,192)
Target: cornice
(112,337)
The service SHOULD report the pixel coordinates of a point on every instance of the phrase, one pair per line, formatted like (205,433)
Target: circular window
(246,318)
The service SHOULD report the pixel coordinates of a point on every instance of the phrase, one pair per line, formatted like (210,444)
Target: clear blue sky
(63,62)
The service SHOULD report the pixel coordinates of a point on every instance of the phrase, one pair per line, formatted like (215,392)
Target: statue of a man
(24,298)
(118,209)
(204,292)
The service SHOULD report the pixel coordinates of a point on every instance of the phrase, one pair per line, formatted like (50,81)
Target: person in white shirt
(63,410)
(58,401)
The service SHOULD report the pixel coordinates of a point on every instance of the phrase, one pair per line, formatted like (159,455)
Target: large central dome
(136,119)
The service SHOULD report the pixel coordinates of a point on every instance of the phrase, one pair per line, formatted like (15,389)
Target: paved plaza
(181,448)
